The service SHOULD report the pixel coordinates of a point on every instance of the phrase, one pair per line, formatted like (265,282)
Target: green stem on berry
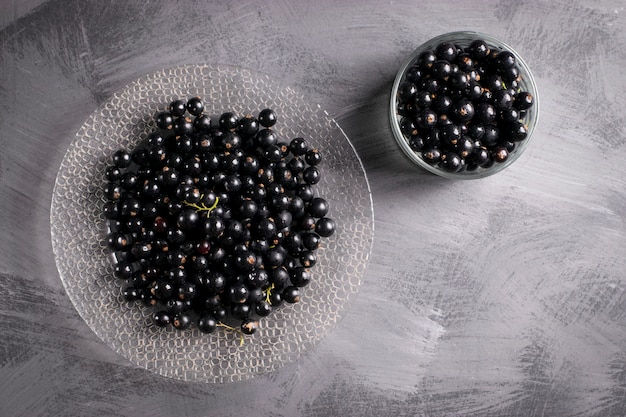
(202,206)
(269,294)
(227,327)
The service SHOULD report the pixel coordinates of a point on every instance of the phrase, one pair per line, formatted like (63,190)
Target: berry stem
(227,327)
(202,206)
(269,294)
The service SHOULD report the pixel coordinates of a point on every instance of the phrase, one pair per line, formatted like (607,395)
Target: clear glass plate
(86,269)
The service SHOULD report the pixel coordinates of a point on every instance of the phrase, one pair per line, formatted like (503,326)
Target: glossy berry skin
(446,51)
(239,293)
(463,110)
(178,108)
(317,207)
(442,104)
(311,240)
(505,60)
(451,162)
(163,290)
(195,106)
(313,157)
(266,138)
(478,50)
(485,113)
(122,158)
(162,318)
(130,294)
(298,146)
(249,326)
(183,126)
(459,81)
(431,156)
(187,291)
(491,136)
(480,156)
(202,123)
(267,118)
(241,311)
(300,276)
(207,324)
(524,100)
(248,126)
(228,121)
(165,120)
(325,227)
(291,294)
(188,219)
(311,175)
(502,99)
(450,134)
(181,321)
(500,154)
(129,181)
(426,59)
(441,69)
(263,309)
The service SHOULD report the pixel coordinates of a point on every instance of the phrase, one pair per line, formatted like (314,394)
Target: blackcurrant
(249,326)
(291,294)
(228,121)
(181,321)
(178,108)
(202,123)
(207,324)
(122,158)
(446,51)
(505,60)
(263,309)
(267,118)
(162,318)
(317,207)
(165,120)
(195,106)
(325,227)
(478,50)
(523,100)
(463,110)
(311,175)
(451,162)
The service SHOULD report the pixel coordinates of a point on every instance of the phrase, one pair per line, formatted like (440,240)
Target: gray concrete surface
(504,296)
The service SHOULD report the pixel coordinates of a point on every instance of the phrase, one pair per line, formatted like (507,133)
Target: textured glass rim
(528,81)
(362,249)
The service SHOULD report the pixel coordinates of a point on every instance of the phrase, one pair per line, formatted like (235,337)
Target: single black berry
(267,117)
(195,106)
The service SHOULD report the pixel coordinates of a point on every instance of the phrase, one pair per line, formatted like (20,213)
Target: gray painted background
(504,296)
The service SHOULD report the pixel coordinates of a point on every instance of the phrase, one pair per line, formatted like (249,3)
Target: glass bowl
(79,231)
(412,149)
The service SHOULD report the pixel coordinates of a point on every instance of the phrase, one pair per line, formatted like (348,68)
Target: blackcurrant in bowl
(477,86)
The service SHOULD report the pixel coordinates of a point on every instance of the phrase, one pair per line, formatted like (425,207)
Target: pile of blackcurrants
(463,108)
(215,222)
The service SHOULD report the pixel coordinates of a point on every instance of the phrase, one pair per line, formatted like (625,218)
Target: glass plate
(78,228)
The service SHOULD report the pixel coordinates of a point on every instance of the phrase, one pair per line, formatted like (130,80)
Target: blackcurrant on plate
(433,91)
(79,229)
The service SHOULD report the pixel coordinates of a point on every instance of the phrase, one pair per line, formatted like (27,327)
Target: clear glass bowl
(463,39)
